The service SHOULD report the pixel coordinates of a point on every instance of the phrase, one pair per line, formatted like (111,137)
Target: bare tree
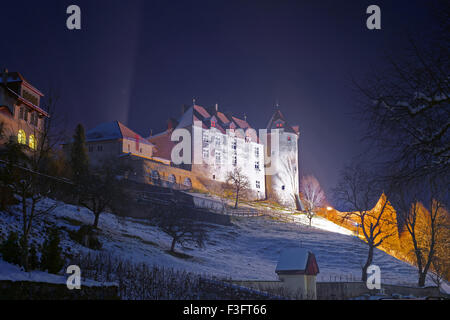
(406,106)
(237,180)
(180,225)
(426,222)
(101,189)
(358,190)
(313,196)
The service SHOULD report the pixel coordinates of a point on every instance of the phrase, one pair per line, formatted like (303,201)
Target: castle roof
(279,121)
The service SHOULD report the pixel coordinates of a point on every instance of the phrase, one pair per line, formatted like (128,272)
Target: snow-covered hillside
(248,249)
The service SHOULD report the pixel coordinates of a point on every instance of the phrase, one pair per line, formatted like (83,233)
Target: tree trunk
(24,247)
(237,199)
(422,277)
(97,215)
(172,247)
(368,263)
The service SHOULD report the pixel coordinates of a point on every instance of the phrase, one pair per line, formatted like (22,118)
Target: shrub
(87,236)
(33,259)
(52,259)
(11,250)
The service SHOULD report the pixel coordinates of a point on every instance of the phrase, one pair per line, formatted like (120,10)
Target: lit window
(22,137)
(32,142)
(213,123)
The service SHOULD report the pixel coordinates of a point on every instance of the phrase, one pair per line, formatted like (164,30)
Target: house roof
(113,130)
(17,77)
(297,260)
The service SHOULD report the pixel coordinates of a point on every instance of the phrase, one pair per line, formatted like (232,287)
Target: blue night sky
(140,61)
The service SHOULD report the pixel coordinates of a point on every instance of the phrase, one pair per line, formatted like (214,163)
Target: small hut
(297,269)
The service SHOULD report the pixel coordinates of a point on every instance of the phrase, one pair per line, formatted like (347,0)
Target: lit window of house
(32,142)
(22,137)
(213,123)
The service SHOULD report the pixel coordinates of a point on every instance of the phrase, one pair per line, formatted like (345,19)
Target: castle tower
(282,176)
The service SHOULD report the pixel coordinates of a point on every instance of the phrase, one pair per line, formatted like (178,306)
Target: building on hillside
(21,116)
(281,169)
(113,139)
(224,142)
(297,268)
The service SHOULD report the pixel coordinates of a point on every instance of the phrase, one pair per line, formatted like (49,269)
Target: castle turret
(282,177)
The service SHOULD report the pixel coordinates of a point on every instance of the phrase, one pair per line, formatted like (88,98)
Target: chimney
(169,124)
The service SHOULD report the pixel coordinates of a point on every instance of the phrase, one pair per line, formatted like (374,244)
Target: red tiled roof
(163,145)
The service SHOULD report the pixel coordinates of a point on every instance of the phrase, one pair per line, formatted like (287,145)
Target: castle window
(234,160)
(32,142)
(257,165)
(258,185)
(25,115)
(256,152)
(282,188)
(214,177)
(187,182)
(205,153)
(218,157)
(22,137)
(91,148)
(99,148)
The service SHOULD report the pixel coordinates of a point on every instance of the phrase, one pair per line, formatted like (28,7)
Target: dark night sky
(140,61)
